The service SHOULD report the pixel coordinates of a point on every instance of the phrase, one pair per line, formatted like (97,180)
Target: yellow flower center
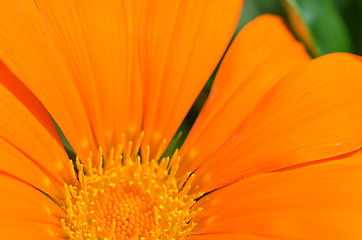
(129,196)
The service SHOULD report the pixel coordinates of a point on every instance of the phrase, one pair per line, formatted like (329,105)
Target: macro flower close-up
(274,152)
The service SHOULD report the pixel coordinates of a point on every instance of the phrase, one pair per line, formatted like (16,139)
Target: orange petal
(30,147)
(19,165)
(28,49)
(322,201)
(29,230)
(226,236)
(313,113)
(262,53)
(181,43)
(18,89)
(98,41)
(26,213)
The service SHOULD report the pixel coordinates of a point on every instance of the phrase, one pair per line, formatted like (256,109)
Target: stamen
(129,196)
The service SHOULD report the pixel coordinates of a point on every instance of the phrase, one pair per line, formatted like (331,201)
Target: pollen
(127,195)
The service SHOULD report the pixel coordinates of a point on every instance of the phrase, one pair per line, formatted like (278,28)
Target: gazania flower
(273,154)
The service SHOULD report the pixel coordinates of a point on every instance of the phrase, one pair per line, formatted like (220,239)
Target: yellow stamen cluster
(126,197)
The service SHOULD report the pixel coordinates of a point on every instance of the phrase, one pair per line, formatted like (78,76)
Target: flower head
(273,154)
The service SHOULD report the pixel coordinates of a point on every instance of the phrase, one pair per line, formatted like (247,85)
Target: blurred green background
(335,18)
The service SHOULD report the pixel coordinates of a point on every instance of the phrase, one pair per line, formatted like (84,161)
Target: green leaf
(319,25)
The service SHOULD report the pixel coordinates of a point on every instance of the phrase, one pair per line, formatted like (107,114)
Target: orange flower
(273,154)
